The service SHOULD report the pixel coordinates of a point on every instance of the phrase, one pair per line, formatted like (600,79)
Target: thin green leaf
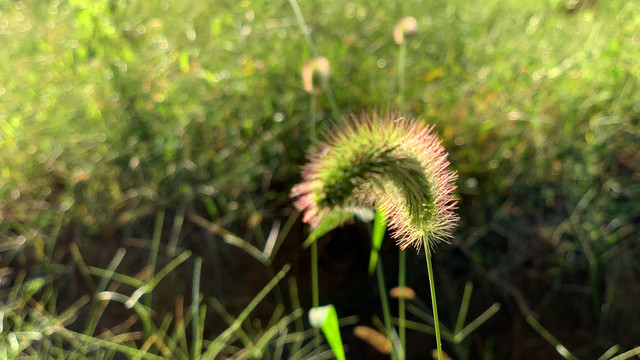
(220,342)
(332,221)
(379,228)
(326,318)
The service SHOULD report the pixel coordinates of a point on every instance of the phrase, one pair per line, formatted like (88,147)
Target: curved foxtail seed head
(314,69)
(405,28)
(394,163)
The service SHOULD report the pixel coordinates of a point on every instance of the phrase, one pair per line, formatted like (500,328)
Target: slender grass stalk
(195,301)
(402,256)
(229,319)
(610,352)
(314,52)
(459,336)
(82,266)
(464,307)
(178,221)
(386,313)
(402,56)
(628,354)
(258,350)
(153,256)
(436,323)
(314,275)
(97,307)
(315,296)
(219,343)
(402,283)
(295,304)
(313,106)
(95,341)
(561,349)
(313,116)
(133,299)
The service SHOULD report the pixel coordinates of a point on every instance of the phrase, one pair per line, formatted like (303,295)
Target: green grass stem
(299,325)
(628,354)
(402,282)
(257,350)
(314,52)
(127,350)
(464,307)
(218,344)
(178,221)
(402,56)
(427,329)
(432,285)
(82,266)
(153,255)
(313,99)
(229,319)
(610,352)
(315,296)
(459,336)
(97,308)
(386,313)
(561,349)
(195,307)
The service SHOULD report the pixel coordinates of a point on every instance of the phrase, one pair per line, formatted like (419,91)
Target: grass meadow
(148,150)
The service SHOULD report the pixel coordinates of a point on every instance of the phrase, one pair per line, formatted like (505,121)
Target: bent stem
(436,323)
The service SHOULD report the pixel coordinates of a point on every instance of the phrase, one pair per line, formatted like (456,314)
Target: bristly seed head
(395,163)
(312,71)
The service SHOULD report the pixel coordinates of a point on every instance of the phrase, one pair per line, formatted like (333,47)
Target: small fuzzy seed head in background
(391,162)
(373,338)
(405,28)
(314,71)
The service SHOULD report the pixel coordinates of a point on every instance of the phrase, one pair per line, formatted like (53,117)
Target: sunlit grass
(133,138)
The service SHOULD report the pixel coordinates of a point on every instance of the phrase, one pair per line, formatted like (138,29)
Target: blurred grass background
(112,112)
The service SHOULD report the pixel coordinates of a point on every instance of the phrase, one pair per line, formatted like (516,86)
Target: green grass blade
(195,301)
(459,336)
(153,256)
(464,307)
(218,344)
(626,355)
(326,318)
(257,351)
(229,319)
(156,279)
(82,266)
(332,221)
(379,228)
(130,351)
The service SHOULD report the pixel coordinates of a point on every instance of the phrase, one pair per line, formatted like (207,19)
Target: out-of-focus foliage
(110,107)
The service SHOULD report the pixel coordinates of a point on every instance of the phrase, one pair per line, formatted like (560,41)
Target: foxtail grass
(396,164)
(391,162)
